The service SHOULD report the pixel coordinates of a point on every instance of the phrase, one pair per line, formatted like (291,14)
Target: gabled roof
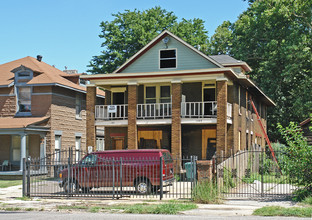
(227,61)
(46,74)
(155,41)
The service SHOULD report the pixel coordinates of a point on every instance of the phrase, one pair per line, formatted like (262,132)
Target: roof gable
(147,59)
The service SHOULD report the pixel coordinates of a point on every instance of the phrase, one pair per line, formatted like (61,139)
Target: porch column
(23,150)
(132,114)
(221,115)
(43,151)
(176,120)
(90,122)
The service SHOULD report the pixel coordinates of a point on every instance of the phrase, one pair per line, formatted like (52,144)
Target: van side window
(89,160)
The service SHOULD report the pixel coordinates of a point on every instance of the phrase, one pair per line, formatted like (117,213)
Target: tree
(297,160)
(275,38)
(132,30)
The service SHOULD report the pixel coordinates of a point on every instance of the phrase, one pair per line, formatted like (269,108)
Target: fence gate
(252,174)
(111,178)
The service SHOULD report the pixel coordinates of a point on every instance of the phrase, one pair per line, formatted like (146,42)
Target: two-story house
(42,110)
(170,95)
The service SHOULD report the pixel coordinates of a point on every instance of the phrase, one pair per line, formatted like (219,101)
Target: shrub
(206,192)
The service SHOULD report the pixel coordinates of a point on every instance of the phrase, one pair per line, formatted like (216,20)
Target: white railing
(199,109)
(154,110)
(229,110)
(111,112)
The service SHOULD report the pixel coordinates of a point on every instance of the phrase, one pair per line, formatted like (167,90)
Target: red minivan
(115,168)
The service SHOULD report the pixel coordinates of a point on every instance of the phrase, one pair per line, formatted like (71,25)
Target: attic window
(24,74)
(168,59)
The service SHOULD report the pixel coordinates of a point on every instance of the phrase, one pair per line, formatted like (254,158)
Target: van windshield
(167,157)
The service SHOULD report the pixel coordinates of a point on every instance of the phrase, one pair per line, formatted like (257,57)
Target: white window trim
(160,59)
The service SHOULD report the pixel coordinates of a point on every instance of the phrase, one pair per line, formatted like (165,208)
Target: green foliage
(166,208)
(307,200)
(206,192)
(132,30)
(298,156)
(228,180)
(281,211)
(275,39)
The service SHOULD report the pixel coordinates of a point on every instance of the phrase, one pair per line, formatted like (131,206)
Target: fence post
(69,190)
(28,177)
(262,172)
(161,178)
(113,178)
(120,173)
(24,177)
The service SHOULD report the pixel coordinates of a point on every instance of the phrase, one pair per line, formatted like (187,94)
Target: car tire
(73,185)
(142,187)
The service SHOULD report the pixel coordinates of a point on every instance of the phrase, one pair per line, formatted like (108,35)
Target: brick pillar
(90,110)
(233,128)
(176,120)
(221,116)
(132,112)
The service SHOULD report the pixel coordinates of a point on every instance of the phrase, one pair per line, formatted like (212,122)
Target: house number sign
(112,109)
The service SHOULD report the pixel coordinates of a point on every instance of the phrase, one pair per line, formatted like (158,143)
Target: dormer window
(168,58)
(23,74)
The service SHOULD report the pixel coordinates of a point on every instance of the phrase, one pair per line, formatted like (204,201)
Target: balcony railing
(111,112)
(160,110)
(199,109)
(154,111)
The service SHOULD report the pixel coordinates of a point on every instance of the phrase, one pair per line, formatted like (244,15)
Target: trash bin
(189,167)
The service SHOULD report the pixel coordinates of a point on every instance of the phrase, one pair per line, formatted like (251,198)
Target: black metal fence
(64,175)
(253,173)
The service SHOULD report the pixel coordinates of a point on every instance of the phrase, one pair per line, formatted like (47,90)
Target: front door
(209,97)
(118,143)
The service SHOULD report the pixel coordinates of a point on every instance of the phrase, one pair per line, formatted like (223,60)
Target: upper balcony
(191,112)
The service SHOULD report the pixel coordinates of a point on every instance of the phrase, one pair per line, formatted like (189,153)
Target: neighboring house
(170,95)
(42,110)
(305,125)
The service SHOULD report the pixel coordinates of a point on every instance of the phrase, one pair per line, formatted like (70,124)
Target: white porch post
(42,152)
(23,150)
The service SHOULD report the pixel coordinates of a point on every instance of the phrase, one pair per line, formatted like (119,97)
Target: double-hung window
(78,106)
(24,99)
(168,58)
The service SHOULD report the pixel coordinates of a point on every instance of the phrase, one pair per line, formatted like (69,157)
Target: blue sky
(65,32)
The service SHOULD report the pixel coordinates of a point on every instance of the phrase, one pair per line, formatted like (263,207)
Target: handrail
(199,109)
(111,112)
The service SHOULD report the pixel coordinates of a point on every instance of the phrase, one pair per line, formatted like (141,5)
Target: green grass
(266,178)
(206,192)
(24,198)
(281,211)
(143,208)
(8,183)
(64,207)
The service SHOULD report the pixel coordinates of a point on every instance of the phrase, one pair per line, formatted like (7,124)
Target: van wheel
(143,187)
(86,189)
(71,187)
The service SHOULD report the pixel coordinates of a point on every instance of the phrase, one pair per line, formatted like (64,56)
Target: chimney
(39,58)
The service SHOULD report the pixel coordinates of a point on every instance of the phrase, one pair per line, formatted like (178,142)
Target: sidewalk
(236,207)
